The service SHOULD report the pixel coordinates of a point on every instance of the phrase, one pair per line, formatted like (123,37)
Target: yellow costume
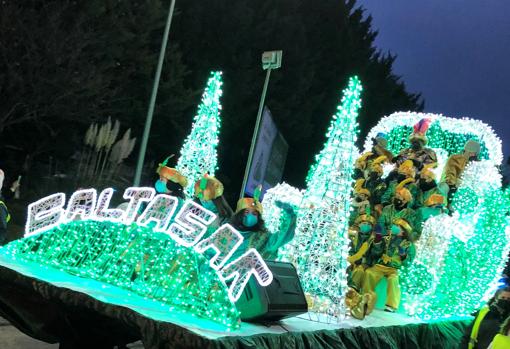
(457,163)
(501,342)
(454,168)
(361,239)
(390,253)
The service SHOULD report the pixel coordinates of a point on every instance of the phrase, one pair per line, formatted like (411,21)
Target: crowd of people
(389,212)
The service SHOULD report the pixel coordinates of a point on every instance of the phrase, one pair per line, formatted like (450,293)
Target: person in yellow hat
(208,192)
(418,151)
(361,236)
(427,186)
(170,181)
(376,184)
(405,172)
(360,202)
(399,207)
(248,220)
(390,253)
(433,206)
(379,150)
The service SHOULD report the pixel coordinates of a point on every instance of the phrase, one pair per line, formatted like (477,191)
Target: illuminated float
(157,258)
(459,257)
(156,253)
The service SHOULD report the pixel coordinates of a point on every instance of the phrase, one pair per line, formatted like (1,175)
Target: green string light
(135,258)
(198,154)
(319,249)
(453,143)
(461,257)
(446,133)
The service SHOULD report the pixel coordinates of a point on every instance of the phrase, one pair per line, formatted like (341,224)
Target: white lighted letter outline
(160,211)
(103,212)
(224,241)
(242,268)
(45,213)
(82,202)
(190,224)
(136,196)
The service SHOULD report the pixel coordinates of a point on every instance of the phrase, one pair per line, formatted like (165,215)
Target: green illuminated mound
(134,258)
(469,266)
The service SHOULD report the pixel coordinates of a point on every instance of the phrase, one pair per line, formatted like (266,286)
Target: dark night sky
(455,52)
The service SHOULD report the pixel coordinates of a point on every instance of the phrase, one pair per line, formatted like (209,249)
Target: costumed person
(399,208)
(406,174)
(427,186)
(375,184)
(248,221)
(361,236)
(502,339)
(360,202)
(379,148)
(170,181)
(487,321)
(390,253)
(208,192)
(418,152)
(456,164)
(12,191)
(5,217)
(433,206)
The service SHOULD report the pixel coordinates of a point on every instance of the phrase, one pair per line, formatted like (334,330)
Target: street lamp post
(270,60)
(155,86)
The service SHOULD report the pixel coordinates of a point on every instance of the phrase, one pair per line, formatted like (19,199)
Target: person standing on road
(5,217)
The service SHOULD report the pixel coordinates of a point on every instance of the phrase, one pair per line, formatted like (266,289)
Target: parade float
(151,270)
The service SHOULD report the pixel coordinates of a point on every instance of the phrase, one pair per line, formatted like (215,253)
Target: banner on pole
(269,156)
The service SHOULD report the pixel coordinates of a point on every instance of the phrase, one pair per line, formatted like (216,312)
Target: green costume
(423,196)
(360,243)
(267,243)
(424,213)
(377,188)
(390,193)
(392,251)
(364,162)
(389,254)
(358,253)
(424,156)
(390,214)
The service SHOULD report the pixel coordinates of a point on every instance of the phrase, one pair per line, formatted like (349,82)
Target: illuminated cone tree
(198,154)
(319,249)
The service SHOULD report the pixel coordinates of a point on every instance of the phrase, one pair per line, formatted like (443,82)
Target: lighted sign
(186,227)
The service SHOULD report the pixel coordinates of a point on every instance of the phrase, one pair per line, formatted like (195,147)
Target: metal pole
(150,111)
(255,133)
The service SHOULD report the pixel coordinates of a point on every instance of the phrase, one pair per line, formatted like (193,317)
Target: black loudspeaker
(283,298)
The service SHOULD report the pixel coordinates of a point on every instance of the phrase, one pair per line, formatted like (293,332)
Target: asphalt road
(12,338)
